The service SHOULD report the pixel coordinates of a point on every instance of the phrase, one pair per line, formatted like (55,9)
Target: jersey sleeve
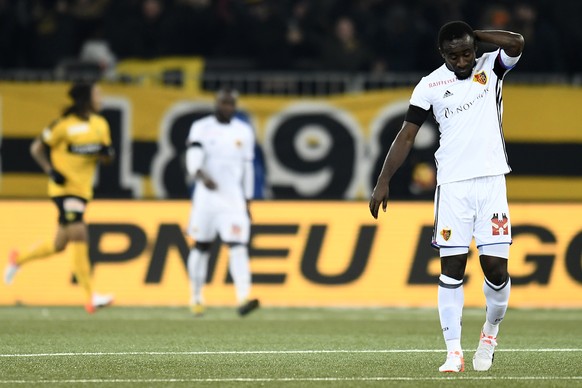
(248,164)
(54,133)
(507,61)
(504,63)
(195,134)
(416,115)
(105,131)
(420,96)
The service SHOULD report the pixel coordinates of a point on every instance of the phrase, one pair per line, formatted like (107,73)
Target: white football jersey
(469,114)
(227,147)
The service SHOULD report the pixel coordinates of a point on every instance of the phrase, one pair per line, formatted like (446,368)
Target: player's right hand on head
(57,177)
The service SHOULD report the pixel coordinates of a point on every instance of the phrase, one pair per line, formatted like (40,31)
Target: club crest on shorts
(236,230)
(480,77)
(446,233)
(499,225)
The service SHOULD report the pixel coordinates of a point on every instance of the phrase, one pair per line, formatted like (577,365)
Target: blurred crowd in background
(374,36)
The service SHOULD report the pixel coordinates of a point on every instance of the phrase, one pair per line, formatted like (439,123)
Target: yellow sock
(82,265)
(37,251)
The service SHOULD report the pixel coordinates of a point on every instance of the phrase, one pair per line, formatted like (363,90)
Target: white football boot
(483,358)
(455,363)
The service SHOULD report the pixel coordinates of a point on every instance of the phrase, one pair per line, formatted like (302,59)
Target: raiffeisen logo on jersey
(448,112)
(442,82)
(480,77)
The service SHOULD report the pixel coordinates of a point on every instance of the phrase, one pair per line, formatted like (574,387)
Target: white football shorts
(231,226)
(472,208)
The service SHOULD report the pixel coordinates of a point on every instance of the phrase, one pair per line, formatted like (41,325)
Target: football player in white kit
(464,95)
(220,156)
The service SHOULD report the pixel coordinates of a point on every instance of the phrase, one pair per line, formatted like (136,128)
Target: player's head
(86,98)
(458,48)
(226,104)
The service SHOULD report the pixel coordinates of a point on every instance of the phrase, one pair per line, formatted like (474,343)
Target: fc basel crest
(446,233)
(480,77)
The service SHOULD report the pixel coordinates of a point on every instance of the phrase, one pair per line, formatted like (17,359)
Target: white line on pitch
(247,352)
(294,379)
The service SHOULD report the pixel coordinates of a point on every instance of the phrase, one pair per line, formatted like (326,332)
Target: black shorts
(71,208)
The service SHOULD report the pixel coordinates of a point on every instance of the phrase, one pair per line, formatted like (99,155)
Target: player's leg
(39,250)
(496,287)
(452,235)
(202,229)
(197,273)
(78,244)
(493,236)
(241,274)
(235,232)
(240,270)
(451,299)
(81,265)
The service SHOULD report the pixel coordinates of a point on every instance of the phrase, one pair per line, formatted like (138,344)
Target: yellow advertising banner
(29,107)
(303,253)
(313,148)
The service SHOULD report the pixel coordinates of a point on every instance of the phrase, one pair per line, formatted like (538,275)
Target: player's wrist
(383,182)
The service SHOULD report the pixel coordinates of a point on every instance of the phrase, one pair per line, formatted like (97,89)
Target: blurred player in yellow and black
(68,151)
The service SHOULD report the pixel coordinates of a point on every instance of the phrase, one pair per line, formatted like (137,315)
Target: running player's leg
(78,243)
(77,236)
(39,250)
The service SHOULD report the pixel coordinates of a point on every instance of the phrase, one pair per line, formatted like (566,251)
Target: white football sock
(197,268)
(240,271)
(450,303)
(497,299)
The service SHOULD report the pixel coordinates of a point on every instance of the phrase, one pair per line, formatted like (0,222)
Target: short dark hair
(227,90)
(454,30)
(80,93)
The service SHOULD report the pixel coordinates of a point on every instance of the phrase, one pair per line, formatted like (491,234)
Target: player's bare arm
(512,43)
(397,154)
(39,152)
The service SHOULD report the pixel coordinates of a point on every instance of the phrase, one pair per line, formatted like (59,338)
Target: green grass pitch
(278,347)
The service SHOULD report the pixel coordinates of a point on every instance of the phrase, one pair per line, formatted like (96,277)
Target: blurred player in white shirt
(464,95)
(220,153)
